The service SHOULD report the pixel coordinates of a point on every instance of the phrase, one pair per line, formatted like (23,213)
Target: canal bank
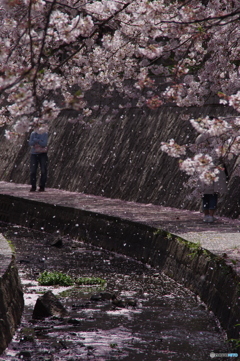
(152,318)
(173,241)
(11,295)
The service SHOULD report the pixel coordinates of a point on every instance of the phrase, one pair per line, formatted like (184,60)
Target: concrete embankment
(122,158)
(11,295)
(205,273)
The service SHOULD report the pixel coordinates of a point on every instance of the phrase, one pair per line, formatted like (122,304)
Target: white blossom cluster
(173,149)
(202,167)
(211,126)
(150,52)
(217,143)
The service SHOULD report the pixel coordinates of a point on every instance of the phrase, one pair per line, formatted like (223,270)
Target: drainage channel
(149,317)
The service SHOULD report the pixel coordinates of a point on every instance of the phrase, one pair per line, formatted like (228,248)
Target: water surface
(160,320)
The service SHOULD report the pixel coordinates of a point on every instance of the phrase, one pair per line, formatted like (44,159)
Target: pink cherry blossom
(52,53)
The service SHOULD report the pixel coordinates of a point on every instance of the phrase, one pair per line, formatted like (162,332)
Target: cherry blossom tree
(53,52)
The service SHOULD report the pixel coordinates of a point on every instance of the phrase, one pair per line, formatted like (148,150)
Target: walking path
(221,238)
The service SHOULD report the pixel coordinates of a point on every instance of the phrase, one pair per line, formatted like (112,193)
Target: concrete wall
(11,295)
(119,159)
(199,270)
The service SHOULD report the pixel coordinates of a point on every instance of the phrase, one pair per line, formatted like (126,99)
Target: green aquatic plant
(81,291)
(113,345)
(90,281)
(27,334)
(58,278)
(55,278)
(235,341)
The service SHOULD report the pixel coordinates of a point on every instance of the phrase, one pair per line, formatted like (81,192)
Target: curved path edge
(203,272)
(11,295)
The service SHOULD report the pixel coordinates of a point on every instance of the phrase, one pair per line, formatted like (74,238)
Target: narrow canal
(152,317)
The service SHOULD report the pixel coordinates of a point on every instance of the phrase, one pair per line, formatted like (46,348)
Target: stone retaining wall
(11,295)
(120,159)
(197,269)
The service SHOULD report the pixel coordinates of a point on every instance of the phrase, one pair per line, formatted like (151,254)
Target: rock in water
(48,305)
(57,243)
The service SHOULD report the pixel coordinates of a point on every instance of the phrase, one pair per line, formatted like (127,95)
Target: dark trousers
(210,201)
(42,160)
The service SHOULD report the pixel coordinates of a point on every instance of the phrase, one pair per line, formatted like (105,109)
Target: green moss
(11,245)
(206,252)
(169,237)
(194,248)
(180,240)
(159,232)
(196,245)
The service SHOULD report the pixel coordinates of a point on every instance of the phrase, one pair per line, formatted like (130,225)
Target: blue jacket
(38,142)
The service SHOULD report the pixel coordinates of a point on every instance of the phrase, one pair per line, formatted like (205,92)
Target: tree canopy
(149,52)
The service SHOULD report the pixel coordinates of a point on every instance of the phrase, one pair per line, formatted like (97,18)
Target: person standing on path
(38,142)
(210,192)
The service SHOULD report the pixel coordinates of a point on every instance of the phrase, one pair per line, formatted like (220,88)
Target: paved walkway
(222,237)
